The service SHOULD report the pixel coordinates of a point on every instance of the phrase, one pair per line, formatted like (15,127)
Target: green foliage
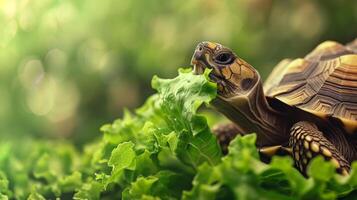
(241,175)
(164,150)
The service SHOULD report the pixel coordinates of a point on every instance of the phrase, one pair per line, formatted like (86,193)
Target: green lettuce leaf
(166,133)
(241,175)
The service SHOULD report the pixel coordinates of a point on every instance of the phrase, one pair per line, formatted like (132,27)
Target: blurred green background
(69,66)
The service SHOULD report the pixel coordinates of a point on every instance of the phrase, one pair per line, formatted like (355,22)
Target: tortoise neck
(253,114)
(272,124)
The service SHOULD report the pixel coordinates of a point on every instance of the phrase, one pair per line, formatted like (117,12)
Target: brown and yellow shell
(323,83)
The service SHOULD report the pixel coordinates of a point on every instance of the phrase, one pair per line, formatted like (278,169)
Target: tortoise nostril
(198,55)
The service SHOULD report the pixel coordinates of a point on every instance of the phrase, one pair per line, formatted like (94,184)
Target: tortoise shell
(323,83)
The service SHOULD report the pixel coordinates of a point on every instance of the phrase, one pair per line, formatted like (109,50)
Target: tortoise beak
(198,67)
(198,60)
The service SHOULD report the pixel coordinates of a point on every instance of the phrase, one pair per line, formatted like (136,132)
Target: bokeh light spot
(40,99)
(31,73)
(66,99)
(8,33)
(92,53)
(9,9)
(26,20)
(56,60)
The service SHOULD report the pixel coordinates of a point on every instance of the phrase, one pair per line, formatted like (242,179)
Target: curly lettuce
(163,150)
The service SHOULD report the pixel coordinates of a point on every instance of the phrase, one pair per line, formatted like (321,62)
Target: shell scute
(323,83)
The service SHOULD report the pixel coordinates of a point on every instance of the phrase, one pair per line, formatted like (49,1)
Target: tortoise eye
(224,58)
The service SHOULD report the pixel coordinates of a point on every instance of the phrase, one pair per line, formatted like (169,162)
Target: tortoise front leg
(225,134)
(228,131)
(308,142)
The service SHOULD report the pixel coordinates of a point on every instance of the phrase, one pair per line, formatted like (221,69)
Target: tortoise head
(234,76)
(240,93)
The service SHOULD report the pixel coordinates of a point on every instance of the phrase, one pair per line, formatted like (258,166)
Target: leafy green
(163,150)
(163,140)
(241,175)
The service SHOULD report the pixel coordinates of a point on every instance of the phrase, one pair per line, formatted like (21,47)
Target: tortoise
(306,107)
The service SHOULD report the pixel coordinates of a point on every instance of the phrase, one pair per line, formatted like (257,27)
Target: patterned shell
(323,83)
